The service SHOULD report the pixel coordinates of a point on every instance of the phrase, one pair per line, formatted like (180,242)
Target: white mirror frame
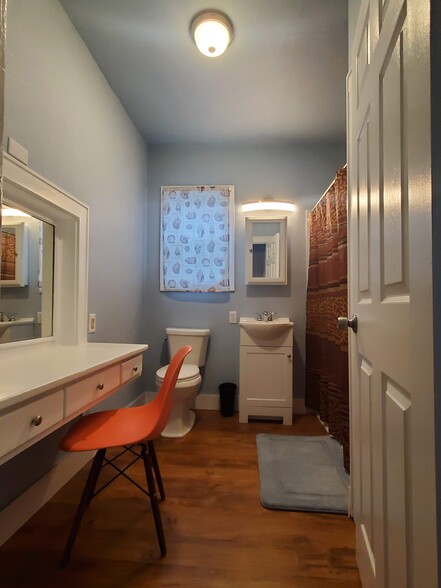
(25,189)
(282,279)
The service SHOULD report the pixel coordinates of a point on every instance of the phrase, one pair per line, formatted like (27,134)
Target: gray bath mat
(302,473)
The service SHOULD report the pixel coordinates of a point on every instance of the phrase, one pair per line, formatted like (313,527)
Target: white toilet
(182,418)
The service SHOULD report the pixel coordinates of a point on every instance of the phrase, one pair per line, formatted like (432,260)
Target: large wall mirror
(266,251)
(26,280)
(43,286)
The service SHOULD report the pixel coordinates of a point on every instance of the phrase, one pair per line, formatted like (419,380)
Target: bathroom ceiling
(281,80)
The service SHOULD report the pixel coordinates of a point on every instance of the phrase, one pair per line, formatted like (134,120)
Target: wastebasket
(227,392)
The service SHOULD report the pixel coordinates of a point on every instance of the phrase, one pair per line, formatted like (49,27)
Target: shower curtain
(327,386)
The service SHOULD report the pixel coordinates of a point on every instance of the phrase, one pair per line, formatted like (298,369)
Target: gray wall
(60,107)
(299,173)
(353,10)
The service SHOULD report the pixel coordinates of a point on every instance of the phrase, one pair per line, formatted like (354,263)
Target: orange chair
(127,427)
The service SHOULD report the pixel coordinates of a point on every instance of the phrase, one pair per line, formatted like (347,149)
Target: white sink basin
(265,329)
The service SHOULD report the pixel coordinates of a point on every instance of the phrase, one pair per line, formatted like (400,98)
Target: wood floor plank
(218,534)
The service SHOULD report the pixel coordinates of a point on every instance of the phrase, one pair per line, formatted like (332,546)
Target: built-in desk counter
(45,385)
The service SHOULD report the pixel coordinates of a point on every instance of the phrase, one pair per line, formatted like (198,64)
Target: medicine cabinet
(14,254)
(266,250)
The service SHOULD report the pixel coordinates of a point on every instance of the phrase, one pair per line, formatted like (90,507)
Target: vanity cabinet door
(266,382)
(26,422)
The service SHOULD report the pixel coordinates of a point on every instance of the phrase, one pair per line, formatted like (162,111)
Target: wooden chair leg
(152,452)
(84,502)
(148,466)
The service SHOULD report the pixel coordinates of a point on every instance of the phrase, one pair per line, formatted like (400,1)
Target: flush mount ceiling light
(268,204)
(212,32)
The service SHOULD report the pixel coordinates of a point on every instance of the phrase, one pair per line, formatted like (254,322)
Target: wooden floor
(217,532)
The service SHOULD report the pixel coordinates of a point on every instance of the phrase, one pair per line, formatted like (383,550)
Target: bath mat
(302,473)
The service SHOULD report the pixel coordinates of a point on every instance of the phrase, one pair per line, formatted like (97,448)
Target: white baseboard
(203,401)
(20,510)
(211,402)
(13,516)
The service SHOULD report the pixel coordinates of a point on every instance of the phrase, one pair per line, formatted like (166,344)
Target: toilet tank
(197,338)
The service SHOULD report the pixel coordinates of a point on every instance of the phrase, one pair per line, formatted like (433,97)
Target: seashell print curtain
(327,379)
(197,233)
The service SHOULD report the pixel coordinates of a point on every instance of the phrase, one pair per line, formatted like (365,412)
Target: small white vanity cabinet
(266,364)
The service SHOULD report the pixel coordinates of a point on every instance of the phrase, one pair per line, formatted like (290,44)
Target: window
(197,239)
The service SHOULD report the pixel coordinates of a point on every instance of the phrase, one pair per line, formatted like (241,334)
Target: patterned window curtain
(197,233)
(327,380)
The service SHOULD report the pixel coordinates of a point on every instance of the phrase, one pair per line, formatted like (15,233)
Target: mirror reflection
(266,245)
(266,250)
(26,279)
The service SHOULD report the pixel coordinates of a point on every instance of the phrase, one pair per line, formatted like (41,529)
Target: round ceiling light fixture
(212,32)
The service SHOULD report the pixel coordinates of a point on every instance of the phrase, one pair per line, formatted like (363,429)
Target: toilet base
(179,424)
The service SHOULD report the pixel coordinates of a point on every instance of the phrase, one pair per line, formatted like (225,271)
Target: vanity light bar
(6,211)
(268,205)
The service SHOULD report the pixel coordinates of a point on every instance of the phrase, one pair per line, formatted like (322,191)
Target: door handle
(344,323)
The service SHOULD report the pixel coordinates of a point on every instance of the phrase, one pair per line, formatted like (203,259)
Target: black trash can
(227,392)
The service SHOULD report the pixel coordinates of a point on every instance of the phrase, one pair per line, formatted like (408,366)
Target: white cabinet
(30,420)
(44,386)
(266,376)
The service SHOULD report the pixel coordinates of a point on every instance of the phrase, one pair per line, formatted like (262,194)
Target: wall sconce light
(7,211)
(268,204)
(212,32)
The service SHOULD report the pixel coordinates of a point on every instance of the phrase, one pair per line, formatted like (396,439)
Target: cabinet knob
(100,386)
(135,369)
(289,356)
(37,420)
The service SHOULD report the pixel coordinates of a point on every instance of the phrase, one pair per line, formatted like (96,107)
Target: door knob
(344,323)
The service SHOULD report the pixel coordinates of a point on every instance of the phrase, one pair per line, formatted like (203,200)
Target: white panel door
(390,285)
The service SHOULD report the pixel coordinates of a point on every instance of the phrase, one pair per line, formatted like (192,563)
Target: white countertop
(34,369)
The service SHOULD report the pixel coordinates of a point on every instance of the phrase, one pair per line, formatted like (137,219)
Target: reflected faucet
(6,318)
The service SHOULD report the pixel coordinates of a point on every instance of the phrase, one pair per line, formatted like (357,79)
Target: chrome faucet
(268,316)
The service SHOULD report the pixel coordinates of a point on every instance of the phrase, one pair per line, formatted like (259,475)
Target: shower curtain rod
(327,190)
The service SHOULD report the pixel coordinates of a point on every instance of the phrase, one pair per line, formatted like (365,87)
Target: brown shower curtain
(327,386)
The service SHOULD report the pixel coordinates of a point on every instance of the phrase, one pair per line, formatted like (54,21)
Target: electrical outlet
(92,323)
(232,317)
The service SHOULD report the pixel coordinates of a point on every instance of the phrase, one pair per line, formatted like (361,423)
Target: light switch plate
(92,323)
(232,317)
(18,151)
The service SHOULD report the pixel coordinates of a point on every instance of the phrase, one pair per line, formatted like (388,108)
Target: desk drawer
(131,368)
(29,420)
(85,392)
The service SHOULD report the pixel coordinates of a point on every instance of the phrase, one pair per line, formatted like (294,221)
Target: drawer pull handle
(100,386)
(289,356)
(36,421)
(135,369)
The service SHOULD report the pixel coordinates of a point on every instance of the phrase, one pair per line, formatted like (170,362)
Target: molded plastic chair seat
(138,425)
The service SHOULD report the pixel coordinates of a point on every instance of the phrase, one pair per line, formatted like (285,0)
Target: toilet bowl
(182,418)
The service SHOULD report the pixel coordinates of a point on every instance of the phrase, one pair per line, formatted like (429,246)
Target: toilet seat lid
(188,372)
